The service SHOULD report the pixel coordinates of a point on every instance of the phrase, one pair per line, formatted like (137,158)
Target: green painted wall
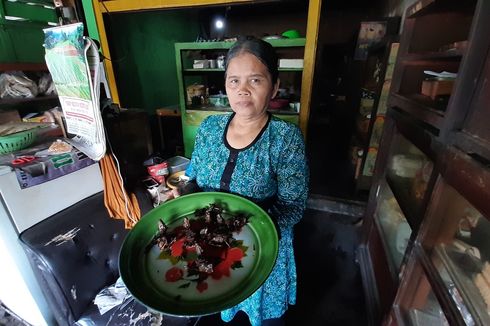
(143,55)
(22,41)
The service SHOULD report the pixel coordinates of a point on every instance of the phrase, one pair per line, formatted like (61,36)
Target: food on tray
(205,246)
(59,147)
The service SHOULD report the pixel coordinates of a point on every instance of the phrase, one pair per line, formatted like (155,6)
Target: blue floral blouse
(273,170)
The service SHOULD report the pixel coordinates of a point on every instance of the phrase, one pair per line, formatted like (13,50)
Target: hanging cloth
(118,203)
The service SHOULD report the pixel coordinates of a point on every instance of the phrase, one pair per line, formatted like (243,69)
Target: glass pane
(418,304)
(453,291)
(462,255)
(409,171)
(429,315)
(394,228)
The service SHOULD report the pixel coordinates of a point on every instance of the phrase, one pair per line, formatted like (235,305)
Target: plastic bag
(15,84)
(111,296)
(46,85)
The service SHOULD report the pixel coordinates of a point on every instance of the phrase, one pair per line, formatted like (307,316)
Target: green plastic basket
(17,141)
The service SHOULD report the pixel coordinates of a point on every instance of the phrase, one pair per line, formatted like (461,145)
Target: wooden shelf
(194,71)
(13,101)
(419,106)
(432,56)
(226,45)
(426,7)
(228,109)
(9,66)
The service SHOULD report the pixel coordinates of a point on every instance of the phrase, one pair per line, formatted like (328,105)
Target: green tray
(144,273)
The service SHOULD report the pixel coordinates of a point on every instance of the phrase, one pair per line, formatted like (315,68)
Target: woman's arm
(292,181)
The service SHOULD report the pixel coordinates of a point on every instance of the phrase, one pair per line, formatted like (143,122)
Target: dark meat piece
(238,222)
(203,266)
(162,243)
(198,249)
(200,212)
(162,227)
(207,217)
(219,218)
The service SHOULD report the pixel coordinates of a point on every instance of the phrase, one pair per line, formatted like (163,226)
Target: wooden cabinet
(474,133)
(452,247)
(211,78)
(432,174)
(404,178)
(437,36)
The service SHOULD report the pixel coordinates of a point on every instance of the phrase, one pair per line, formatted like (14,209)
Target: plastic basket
(17,141)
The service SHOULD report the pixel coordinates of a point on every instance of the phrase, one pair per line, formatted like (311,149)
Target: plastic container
(17,141)
(177,164)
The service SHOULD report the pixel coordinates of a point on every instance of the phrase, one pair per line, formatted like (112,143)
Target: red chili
(177,248)
(234,254)
(174,274)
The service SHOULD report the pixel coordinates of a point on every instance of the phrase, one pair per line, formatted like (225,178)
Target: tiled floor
(329,284)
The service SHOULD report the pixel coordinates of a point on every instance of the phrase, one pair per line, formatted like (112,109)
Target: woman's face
(248,85)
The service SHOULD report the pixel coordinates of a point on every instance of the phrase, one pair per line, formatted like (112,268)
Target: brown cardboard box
(434,88)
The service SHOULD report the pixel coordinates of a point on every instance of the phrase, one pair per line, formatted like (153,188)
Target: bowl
(292,33)
(146,271)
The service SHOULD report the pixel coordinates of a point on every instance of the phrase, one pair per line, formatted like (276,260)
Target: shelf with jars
(200,73)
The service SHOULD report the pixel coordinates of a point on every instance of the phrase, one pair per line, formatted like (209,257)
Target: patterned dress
(272,172)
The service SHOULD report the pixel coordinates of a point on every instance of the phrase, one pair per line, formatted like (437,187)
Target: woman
(258,156)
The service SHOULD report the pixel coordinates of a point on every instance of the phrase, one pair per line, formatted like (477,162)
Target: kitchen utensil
(23,160)
(145,273)
(17,141)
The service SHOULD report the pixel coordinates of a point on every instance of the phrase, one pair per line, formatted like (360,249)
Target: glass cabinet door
(416,303)
(408,173)
(393,228)
(459,244)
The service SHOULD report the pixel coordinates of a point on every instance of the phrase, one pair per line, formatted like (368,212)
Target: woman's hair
(260,49)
